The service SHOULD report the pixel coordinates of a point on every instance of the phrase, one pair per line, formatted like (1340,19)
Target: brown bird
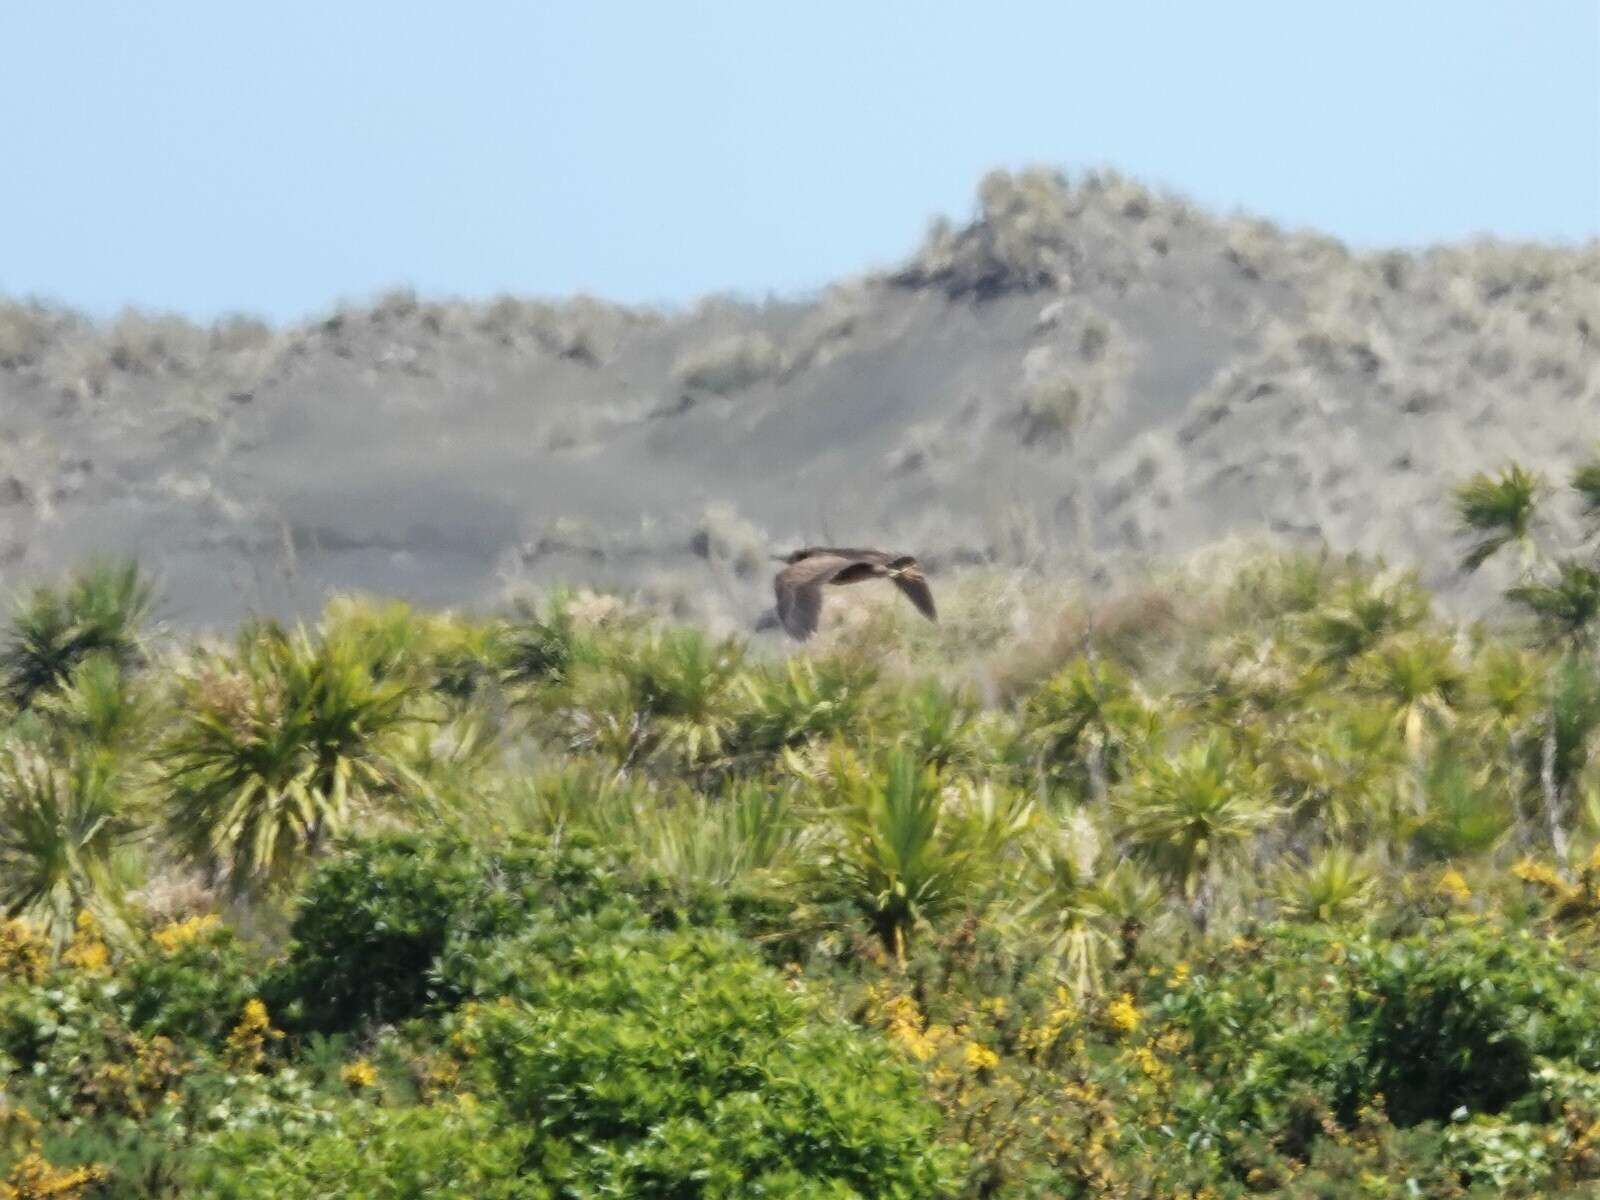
(799,585)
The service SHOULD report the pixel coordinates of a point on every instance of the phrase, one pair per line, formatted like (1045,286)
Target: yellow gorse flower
(902,1021)
(32,1176)
(996,1007)
(1123,1015)
(359,1074)
(1453,886)
(1062,1016)
(247,1044)
(24,952)
(1153,1068)
(174,937)
(87,952)
(979,1057)
(1540,874)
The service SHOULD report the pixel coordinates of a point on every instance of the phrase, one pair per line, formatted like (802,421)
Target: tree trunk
(1522,818)
(1555,808)
(1200,904)
(1095,761)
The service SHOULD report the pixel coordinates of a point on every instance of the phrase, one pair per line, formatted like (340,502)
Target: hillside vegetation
(1268,878)
(1086,380)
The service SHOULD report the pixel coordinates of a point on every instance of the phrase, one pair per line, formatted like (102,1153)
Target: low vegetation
(1282,884)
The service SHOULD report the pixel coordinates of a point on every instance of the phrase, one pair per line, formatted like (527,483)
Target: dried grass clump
(1079,373)
(139,344)
(538,326)
(1261,252)
(1035,231)
(1132,627)
(729,364)
(830,329)
(1019,243)
(29,330)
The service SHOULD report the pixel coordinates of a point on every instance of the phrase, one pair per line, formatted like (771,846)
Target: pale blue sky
(279,157)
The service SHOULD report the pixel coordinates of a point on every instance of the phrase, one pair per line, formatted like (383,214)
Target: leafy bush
(447,1149)
(398,924)
(192,982)
(676,1065)
(1458,1021)
(1449,1021)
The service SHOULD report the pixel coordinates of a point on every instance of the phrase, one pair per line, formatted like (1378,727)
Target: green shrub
(1446,1022)
(191,982)
(1457,1021)
(399,923)
(675,1065)
(446,1149)
(1267,1025)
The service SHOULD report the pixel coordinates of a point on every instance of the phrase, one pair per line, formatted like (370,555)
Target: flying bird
(807,571)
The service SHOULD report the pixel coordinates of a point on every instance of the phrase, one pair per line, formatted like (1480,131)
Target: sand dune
(1085,379)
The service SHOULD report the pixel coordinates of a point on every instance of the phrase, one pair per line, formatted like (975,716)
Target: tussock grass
(729,364)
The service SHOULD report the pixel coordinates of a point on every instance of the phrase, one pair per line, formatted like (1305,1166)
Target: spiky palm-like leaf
(747,832)
(1067,899)
(1575,707)
(100,705)
(440,652)
(1338,768)
(1283,584)
(1464,812)
(277,748)
(670,693)
(1498,511)
(938,722)
(1567,608)
(1506,687)
(1364,614)
(540,644)
(1086,722)
(1191,814)
(802,700)
(60,825)
(899,853)
(1419,681)
(585,794)
(1506,699)
(100,611)
(1248,678)
(1586,482)
(1334,886)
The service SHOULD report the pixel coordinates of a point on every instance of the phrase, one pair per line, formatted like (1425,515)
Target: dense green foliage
(658,1064)
(1269,881)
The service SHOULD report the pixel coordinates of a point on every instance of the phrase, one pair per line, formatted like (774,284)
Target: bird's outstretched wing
(910,580)
(798,588)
